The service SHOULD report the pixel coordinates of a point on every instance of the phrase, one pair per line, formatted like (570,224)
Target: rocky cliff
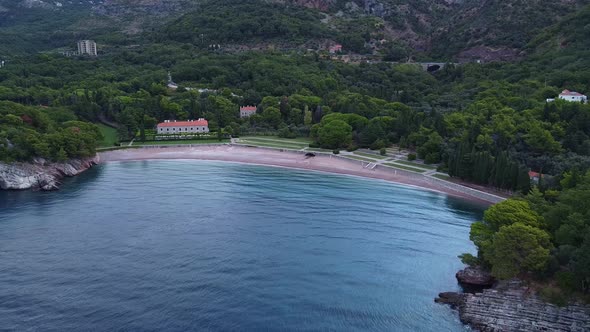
(512,306)
(41,174)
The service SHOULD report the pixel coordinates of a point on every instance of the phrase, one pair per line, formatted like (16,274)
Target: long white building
(199,126)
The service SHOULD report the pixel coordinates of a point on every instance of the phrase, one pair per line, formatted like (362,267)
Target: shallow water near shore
(193,245)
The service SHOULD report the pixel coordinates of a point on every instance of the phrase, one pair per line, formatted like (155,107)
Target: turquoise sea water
(193,245)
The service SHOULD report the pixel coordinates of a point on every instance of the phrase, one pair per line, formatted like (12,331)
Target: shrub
(432,158)
(351,148)
(314,145)
(336,151)
(383,151)
(469,259)
(553,295)
(378,144)
(566,280)
(286,132)
(412,156)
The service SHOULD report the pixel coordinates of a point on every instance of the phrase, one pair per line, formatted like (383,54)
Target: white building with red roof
(199,126)
(535,177)
(335,49)
(246,111)
(573,96)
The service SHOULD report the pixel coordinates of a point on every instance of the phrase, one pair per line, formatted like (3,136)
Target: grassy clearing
(406,168)
(409,163)
(275,144)
(276,138)
(271,146)
(113,148)
(318,150)
(109,135)
(374,156)
(360,158)
(200,141)
(442,177)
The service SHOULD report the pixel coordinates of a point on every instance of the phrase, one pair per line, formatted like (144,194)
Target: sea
(189,245)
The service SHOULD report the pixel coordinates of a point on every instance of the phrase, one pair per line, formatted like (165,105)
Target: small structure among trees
(247,111)
(573,96)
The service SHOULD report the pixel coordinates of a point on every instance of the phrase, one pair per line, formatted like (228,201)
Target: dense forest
(541,237)
(30,132)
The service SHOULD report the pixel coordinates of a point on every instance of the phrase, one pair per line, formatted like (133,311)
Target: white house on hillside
(246,111)
(573,96)
(176,127)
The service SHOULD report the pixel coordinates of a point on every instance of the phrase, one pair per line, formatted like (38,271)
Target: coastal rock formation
(475,275)
(41,174)
(511,306)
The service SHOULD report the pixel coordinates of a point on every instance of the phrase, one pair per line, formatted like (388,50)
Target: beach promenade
(297,159)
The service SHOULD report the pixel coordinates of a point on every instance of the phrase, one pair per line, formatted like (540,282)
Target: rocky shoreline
(513,306)
(41,174)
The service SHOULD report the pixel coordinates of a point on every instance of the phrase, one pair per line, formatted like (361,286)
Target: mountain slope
(438,29)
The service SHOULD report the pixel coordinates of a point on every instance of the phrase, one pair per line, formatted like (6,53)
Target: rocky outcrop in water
(512,306)
(475,276)
(41,174)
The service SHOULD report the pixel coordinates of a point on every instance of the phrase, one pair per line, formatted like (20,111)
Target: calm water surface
(190,245)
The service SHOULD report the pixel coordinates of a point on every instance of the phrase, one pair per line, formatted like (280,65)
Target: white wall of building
(87,47)
(579,99)
(183,129)
(245,114)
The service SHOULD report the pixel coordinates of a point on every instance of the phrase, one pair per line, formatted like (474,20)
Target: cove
(193,245)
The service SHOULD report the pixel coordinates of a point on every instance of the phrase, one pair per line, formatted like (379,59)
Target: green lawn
(442,177)
(270,145)
(274,144)
(359,158)
(411,169)
(109,135)
(409,163)
(374,156)
(113,148)
(318,150)
(293,140)
(188,141)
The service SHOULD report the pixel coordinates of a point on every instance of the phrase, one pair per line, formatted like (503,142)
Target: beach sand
(298,160)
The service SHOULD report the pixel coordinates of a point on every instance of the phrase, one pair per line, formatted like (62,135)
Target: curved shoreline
(297,160)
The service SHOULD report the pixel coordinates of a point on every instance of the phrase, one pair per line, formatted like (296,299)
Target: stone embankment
(41,174)
(512,306)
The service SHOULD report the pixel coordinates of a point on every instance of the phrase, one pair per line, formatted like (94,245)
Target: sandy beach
(297,160)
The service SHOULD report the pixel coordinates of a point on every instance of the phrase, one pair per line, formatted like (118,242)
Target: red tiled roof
(570,93)
(336,48)
(248,108)
(534,174)
(184,123)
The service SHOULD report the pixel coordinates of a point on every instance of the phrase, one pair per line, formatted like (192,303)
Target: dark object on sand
(310,154)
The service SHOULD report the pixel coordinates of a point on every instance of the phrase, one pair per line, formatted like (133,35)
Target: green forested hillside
(225,21)
(544,237)
(425,29)
(499,24)
(53,133)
